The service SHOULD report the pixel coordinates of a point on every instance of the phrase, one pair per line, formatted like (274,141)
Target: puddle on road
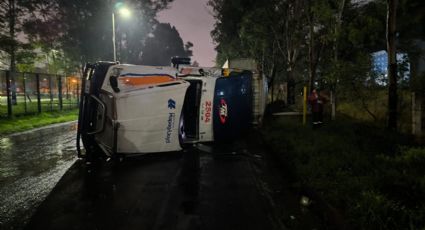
(29,169)
(5,143)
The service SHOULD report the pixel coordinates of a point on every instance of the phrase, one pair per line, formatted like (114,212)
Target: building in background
(380,67)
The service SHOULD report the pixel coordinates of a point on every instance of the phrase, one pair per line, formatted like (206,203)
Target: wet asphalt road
(202,188)
(234,186)
(30,166)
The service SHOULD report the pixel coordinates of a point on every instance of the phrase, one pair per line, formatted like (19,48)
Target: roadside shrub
(358,168)
(373,210)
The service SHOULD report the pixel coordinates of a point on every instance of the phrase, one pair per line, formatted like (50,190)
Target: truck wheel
(182,134)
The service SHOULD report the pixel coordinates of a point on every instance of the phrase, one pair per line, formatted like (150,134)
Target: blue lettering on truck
(170,121)
(170,127)
(171,104)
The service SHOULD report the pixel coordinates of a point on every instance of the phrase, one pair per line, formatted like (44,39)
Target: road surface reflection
(30,166)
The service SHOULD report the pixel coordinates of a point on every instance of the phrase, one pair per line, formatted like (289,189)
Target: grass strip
(23,123)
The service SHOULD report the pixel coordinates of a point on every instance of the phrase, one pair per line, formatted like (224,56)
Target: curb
(42,131)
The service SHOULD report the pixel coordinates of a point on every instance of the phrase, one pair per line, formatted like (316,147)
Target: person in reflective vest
(316,101)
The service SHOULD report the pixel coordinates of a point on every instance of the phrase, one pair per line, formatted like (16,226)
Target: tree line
(322,43)
(82,31)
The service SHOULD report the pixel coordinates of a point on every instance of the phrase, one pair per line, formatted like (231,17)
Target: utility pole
(337,29)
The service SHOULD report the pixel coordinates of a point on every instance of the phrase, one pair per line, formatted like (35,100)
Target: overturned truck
(133,109)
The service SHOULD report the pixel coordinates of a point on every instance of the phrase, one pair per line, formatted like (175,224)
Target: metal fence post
(78,91)
(12,82)
(9,101)
(60,92)
(51,93)
(25,92)
(67,92)
(37,77)
(67,88)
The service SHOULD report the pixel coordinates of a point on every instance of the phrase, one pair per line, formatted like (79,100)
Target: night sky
(194,21)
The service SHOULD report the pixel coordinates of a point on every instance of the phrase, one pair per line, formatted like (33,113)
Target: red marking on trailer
(207,111)
(223,111)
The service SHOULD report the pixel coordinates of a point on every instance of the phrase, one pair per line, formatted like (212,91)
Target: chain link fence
(31,93)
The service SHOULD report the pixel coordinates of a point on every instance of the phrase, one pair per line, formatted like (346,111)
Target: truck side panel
(232,111)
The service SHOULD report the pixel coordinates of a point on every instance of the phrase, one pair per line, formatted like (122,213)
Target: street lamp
(124,12)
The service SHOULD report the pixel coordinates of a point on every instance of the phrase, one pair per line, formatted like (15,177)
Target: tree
(324,42)
(411,40)
(13,15)
(163,44)
(251,29)
(337,27)
(83,29)
(392,64)
(294,34)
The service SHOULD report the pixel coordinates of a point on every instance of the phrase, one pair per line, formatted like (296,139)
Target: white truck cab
(133,109)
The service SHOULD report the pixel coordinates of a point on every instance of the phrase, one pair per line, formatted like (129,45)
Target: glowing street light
(124,12)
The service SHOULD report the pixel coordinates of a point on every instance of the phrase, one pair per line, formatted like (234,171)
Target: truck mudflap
(232,113)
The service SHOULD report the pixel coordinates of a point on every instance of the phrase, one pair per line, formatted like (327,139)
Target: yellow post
(305,106)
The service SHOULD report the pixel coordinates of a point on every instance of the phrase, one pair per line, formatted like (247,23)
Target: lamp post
(123,11)
(113,36)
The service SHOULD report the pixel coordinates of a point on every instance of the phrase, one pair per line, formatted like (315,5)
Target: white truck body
(130,109)
(148,113)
